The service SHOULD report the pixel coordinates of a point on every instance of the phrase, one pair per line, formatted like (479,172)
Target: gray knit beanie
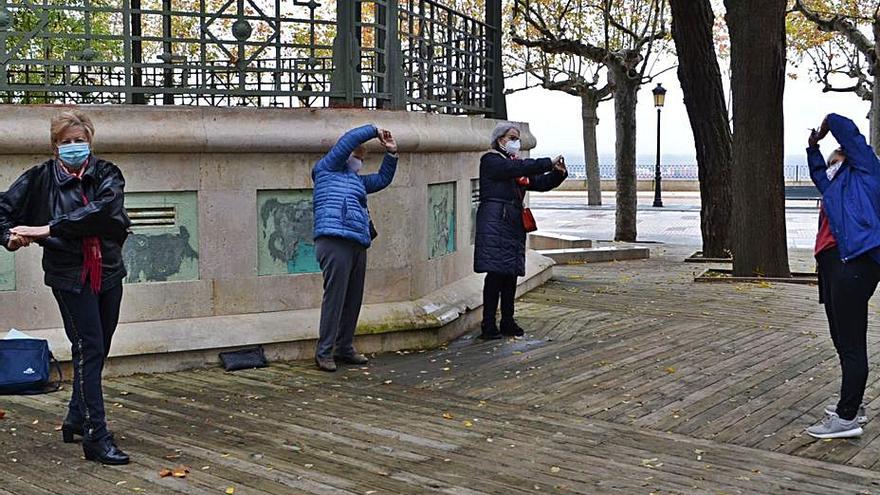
(500,130)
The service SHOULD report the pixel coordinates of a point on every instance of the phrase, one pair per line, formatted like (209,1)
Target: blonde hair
(71,118)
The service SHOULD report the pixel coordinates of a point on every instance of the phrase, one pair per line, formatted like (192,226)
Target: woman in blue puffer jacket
(343,232)
(848,257)
(500,245)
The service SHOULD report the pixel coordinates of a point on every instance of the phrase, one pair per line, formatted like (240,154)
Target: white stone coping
(218,332)
(24,129)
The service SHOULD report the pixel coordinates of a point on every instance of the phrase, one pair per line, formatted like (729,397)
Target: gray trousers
(344,265)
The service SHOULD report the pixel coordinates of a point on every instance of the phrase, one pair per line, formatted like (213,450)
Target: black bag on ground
(26,366)
(252,357)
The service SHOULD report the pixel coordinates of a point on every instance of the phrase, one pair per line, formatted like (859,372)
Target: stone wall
(221,253)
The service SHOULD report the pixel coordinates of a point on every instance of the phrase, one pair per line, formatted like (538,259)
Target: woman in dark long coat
(500,245)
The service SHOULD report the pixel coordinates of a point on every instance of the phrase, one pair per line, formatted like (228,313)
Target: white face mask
(513,146)
(832,170)
(355,164)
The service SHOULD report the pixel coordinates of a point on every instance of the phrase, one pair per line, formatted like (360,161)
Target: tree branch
(838,24)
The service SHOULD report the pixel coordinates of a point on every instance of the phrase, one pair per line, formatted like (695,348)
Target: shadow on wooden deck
(632,379)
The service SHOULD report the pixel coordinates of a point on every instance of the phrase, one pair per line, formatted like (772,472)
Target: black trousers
(89,321)
(503,286)
(845,289)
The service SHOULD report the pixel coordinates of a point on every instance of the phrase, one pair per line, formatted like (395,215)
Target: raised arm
(817,167)
(378,181)
(858,153)
(547,182)
(497,167)
(103,216)
(335,160)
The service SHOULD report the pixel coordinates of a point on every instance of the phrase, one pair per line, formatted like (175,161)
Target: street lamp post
(659,99)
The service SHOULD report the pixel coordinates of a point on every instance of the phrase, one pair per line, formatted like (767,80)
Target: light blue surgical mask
(355,164)
(74,154)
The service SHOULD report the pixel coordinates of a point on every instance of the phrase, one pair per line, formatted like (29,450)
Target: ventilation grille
(152,216)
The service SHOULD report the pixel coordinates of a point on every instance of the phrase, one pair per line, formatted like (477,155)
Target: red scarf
(92,257)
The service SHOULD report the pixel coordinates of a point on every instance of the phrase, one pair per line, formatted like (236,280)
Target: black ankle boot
(511,329)
(490,332)
(104,450)
(68,430)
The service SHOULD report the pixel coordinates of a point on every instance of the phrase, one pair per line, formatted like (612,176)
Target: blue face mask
(74,154)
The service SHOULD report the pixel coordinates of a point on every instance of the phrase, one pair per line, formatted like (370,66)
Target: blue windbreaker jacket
(852,199)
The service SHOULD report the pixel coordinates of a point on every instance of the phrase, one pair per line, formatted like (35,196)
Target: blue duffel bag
(25,367)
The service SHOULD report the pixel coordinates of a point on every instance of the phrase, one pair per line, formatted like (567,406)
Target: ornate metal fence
(415,54)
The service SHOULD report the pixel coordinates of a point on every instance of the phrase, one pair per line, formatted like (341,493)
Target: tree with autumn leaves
(838,40)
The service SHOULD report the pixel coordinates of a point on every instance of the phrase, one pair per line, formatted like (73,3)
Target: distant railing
(400,54)
(675,172)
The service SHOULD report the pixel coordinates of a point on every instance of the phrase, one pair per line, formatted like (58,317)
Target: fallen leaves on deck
(178,472)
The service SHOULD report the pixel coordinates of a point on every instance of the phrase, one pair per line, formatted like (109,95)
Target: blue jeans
(89,321)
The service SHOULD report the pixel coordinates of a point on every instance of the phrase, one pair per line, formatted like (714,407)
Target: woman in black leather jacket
(72,206)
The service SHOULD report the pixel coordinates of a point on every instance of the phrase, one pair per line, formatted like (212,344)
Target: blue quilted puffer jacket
(340,196)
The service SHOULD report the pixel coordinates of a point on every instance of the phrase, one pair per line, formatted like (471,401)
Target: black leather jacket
(46,195)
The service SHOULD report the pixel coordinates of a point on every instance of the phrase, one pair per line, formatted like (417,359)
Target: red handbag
(528,219)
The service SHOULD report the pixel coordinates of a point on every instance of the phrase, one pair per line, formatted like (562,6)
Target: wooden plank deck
(632,379)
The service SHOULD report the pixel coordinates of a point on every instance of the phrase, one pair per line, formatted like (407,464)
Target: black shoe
(490,332)
(325,364)
(104,451)
(354,358)
(68,430)
(511,329)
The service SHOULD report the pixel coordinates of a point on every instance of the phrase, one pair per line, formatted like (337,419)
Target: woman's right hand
(16,241)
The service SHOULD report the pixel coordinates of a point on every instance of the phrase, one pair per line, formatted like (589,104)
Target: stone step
(550,240)
(596,255)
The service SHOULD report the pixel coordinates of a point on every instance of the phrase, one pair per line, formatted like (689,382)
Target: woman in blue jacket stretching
(847,254)
(343,232)
(500,244)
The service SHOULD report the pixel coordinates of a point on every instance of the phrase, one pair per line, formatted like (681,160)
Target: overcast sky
(555,119)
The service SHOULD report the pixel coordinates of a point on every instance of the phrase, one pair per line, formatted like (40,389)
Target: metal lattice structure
(398,54)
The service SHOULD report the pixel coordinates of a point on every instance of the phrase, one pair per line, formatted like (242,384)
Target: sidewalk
(633,379)
(677,222)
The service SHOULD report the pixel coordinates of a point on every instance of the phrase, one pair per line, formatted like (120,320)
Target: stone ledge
(170,345)
(550,240)
(596,255)
(180,129)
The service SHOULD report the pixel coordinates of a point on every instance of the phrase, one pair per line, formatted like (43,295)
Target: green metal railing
(397,54)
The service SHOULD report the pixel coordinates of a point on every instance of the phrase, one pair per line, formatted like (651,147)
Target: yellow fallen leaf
(468,424)
(554,469)
(447,416)
(165,473)
(669,370)
(230,491)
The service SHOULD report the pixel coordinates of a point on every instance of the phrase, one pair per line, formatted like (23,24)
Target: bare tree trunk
(700,77)
(589,106)
(757,41)
(625,98)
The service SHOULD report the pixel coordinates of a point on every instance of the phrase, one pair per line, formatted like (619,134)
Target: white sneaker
(834,427)
(861,417)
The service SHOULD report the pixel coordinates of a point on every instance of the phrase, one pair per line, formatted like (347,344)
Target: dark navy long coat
(500,245)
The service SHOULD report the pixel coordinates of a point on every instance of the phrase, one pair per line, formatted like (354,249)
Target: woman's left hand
(32,232)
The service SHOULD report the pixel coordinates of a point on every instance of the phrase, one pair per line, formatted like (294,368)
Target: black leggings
(498,284)
(845,289)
